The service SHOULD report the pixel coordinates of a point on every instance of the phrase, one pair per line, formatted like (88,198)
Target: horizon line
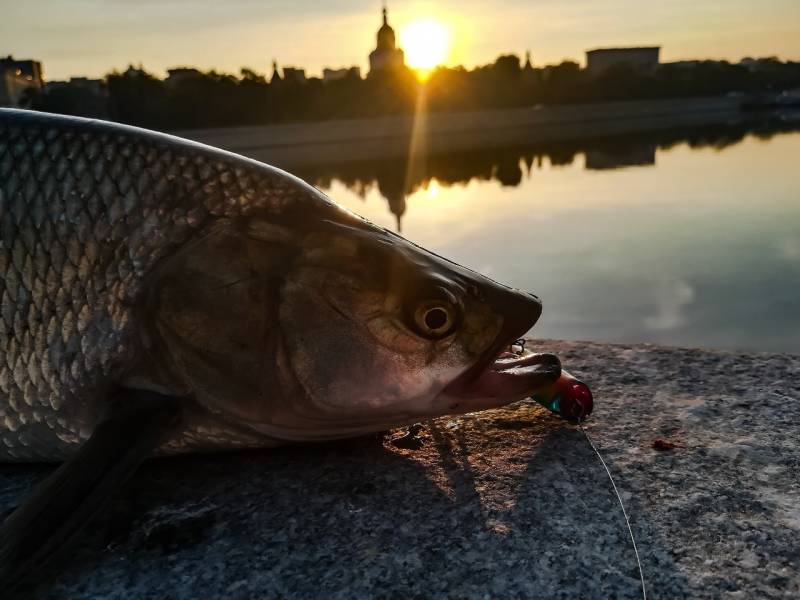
(163,73)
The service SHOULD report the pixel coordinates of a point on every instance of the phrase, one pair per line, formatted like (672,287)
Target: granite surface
(510,503)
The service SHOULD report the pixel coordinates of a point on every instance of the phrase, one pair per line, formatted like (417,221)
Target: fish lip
(507,379)
(543,368)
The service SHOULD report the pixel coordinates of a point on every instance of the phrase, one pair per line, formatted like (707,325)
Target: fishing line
(621,505)
(572,400)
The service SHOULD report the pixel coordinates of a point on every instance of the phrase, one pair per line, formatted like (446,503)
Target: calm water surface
(639,241)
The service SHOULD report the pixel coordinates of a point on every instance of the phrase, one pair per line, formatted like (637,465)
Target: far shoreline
(314,142)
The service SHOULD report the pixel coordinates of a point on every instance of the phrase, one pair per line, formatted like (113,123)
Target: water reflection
(661,238)
(641,154)
(395,180)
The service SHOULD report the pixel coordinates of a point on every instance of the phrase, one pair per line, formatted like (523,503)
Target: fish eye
(435,319)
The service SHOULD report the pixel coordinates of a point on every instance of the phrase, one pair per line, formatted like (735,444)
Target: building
(294,75)
(528,66)
(95,86)
(18,79)
(132,71)
(329,75)
(386,56)
(685,64)
(290,74)
(276,76)
(30,69)
(619,155)
(13,89)
(529,75)
(180,74)
(644,59)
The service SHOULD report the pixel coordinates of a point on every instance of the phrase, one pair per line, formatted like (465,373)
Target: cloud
(672,298)
(789,248)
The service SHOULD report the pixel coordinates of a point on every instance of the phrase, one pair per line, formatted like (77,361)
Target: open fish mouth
(506,376)
(509,377)
(500,376)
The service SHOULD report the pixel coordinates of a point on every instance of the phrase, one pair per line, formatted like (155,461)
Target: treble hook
(521,343)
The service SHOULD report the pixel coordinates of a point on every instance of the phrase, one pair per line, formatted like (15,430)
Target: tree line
(213,99)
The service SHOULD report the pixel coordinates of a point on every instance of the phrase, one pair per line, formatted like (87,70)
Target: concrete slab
(509,503)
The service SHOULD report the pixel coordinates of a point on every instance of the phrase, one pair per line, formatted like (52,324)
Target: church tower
(386,40)
(276,77)
(386,56)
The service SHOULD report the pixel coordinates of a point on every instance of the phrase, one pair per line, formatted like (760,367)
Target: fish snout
(519,310)
(500,376)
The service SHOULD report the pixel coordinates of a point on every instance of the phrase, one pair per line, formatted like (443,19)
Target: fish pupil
(436,318)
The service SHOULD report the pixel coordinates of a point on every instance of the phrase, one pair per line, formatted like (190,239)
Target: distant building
(529,74)
(17,79)
(759,64)
(276,76)
(30,69)
(620,155)
(294,74)
(528,63)
(132,71)
(98,86)
(386,56)
(95,86)
(685,64)
(329,75)
(13,88)
(645,59)
(179,74)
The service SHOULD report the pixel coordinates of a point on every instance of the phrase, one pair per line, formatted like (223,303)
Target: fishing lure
(567,397)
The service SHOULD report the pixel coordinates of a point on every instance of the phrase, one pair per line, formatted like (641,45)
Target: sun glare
(426,43)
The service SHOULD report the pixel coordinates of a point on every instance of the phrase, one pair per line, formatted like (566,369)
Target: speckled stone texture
(509,503)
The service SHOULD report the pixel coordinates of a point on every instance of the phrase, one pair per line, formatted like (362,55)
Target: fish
(159,296)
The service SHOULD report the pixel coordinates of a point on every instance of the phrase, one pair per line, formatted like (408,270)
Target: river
(681,238)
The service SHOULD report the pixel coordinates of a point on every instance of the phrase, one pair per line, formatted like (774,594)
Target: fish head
(328,326)
(379,329)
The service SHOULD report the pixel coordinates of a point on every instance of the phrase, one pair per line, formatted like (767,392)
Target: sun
(426,43)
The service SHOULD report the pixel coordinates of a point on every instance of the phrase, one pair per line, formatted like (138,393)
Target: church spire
(386,39)
(276,77)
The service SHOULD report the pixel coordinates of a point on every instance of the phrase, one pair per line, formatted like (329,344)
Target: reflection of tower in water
(392,186)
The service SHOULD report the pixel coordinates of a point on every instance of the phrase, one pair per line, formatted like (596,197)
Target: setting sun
(426,43)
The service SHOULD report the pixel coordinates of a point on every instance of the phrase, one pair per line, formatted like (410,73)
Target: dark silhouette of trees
(210,99)
(562,83)
(138,98)
(73,100)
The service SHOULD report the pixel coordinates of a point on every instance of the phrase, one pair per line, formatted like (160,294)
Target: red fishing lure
(567,397)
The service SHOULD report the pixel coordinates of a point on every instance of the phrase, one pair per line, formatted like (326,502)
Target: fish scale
(85,216)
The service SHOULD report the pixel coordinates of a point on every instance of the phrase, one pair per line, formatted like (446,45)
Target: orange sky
(91,37)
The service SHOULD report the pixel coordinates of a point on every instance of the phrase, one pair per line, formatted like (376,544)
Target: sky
(92,37)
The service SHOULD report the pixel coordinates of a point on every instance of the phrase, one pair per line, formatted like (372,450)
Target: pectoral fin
(136,423)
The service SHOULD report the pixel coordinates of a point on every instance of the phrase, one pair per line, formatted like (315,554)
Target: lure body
(567,397)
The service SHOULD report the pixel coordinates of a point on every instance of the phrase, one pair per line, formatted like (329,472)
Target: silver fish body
(86,212)
(90,214)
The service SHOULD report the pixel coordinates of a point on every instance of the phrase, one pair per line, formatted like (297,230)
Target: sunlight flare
(426,43)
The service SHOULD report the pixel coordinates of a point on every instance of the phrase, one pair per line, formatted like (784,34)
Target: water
(687,239)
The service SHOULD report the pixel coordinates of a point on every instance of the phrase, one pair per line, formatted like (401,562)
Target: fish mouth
(508,377)
(501,376)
